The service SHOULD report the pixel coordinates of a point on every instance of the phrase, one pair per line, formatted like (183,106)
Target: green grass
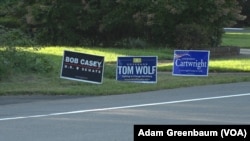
(110,54)
(223,70)
(30,83)
(53,85)
(236,39)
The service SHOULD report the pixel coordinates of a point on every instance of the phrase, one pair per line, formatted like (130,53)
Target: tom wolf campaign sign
(141,69)
(82,67)
(191,63)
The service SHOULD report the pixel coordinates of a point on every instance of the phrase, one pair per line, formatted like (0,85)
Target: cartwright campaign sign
(82,67)
(191,63)
(141,69)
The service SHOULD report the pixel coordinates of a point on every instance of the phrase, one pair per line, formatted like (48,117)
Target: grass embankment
(223,70)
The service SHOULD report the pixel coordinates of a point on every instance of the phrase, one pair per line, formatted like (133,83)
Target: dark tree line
(245,4)
(173,23)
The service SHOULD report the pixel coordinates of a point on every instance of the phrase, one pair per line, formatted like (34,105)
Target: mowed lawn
(221,70)
(237,38)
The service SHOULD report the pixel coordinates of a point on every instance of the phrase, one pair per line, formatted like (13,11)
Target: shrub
(131,43)
(14,58)
(191,36)
(15,61)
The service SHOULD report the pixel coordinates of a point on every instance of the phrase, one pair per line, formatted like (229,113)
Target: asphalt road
(111,118)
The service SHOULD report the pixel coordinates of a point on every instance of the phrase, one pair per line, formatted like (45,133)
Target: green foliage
(13,58)
(191,36)
(108,23)
(11,13)
(245,4)
(53,22)
(212,15)
(132,43)
(16,60)
(9,22)
(11,38)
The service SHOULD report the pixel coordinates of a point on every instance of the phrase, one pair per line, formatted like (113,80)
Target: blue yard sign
(191,63)
(141,69)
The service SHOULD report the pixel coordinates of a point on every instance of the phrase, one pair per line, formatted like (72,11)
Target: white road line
(124,107)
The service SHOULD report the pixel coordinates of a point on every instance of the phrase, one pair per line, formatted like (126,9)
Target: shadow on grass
(20,82)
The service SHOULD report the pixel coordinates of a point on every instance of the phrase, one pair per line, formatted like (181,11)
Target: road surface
(111,118)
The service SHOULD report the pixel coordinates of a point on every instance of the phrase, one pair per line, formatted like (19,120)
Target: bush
(131,43)
(12,38)
(17,60)
(191,36)
(14,58)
